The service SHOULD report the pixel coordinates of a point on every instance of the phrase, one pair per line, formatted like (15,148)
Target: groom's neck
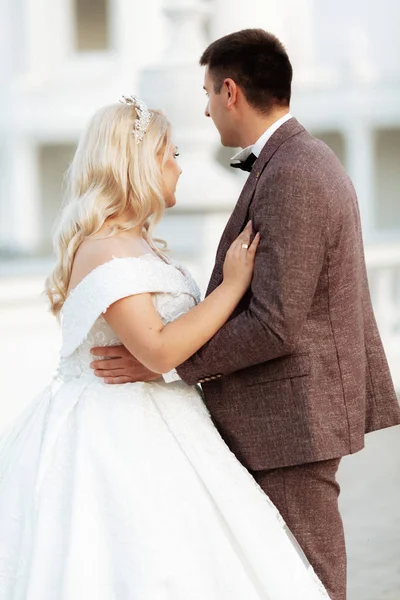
(254,124)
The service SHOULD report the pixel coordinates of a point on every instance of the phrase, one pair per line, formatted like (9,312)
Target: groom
(298,375)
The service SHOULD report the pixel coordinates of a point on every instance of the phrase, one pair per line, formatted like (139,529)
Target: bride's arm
(161,347)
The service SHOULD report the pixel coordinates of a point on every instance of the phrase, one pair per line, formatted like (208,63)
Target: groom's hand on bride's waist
(117,365)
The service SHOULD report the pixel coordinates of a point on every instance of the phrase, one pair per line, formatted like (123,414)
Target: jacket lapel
(239,216)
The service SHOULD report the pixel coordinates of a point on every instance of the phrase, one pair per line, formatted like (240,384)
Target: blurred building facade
(60,61)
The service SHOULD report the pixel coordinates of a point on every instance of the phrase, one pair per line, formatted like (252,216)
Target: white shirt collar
(260,143)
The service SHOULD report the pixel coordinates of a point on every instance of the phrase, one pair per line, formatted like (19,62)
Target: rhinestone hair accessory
(143,116)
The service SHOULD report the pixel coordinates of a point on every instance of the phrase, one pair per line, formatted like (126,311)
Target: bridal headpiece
(143,116)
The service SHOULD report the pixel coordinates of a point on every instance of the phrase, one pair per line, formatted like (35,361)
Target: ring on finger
(245,246)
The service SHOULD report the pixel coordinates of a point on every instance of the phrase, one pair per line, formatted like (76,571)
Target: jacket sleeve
(291,214)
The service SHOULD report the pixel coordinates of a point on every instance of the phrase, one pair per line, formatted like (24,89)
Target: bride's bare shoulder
(94,252)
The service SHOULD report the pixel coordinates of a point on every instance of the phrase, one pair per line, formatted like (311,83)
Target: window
(53,161)
(387,179)
(92,25)
(335,141)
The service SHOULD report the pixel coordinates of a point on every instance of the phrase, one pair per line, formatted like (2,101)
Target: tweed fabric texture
(307,498)
(303,371)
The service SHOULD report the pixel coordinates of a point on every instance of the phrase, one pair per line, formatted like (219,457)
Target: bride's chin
(170,201)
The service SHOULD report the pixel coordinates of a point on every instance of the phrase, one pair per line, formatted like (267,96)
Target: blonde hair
(111,176)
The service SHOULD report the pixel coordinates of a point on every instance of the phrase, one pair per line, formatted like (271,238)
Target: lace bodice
(173,289)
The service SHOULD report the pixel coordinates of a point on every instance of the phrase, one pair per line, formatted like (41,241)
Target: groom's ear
(231,91)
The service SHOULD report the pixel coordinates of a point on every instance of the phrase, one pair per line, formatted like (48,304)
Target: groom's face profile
(219,108)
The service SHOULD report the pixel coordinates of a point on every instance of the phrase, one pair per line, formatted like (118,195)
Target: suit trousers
(307,498)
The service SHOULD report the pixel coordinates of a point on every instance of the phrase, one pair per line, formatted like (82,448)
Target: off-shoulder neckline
(108,262)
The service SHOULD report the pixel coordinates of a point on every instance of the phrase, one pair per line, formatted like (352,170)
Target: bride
(128,492)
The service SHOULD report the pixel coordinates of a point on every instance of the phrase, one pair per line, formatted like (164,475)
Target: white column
(7,65)
(299,39)
(360,161)
(138,37)
(206,192)
(21,205)
(47,48)
(233,15)
(138,31)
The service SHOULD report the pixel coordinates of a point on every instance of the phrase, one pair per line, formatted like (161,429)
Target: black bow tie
(245,165)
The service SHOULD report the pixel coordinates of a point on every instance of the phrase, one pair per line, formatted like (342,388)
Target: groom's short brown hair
(257,61)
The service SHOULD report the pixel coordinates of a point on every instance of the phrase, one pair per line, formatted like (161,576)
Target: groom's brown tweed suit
(298,375)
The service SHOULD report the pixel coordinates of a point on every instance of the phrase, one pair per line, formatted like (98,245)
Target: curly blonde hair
(111,176)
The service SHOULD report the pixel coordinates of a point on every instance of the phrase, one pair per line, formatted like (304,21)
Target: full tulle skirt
(129,493)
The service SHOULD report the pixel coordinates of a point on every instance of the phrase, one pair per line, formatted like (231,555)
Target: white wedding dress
(128,492)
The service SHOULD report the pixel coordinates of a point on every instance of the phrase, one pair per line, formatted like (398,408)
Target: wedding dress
(128,492)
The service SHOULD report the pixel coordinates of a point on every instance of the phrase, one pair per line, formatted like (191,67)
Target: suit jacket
(298,374)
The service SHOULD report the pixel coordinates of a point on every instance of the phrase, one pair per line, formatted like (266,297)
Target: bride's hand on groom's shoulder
(239,261)
(117,365)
